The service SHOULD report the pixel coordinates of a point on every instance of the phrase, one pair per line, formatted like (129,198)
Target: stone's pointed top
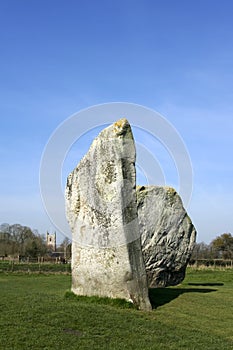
(170,190)
(121,126)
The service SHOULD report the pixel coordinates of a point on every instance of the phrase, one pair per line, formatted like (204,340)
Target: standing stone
(101,209)
(168,235)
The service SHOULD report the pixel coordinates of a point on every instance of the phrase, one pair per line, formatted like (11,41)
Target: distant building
(51,241)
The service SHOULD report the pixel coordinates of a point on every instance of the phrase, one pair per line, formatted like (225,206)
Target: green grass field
(36,312)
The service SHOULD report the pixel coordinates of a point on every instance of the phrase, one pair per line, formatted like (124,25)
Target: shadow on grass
(206,284)
(161,296)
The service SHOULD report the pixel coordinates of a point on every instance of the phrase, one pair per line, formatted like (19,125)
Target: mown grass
(37,312)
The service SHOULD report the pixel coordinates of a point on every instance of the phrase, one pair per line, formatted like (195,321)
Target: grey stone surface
(168,235)
(101,209)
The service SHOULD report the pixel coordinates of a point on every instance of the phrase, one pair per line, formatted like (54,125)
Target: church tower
(51,241)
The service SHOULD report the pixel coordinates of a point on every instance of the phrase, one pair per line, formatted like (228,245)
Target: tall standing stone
(102,212)
(168,235)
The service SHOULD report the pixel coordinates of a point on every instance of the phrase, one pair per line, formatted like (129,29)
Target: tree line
(18,240)
(220,248)
(22,241)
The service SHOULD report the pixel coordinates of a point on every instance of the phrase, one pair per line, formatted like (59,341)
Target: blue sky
(176,57)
